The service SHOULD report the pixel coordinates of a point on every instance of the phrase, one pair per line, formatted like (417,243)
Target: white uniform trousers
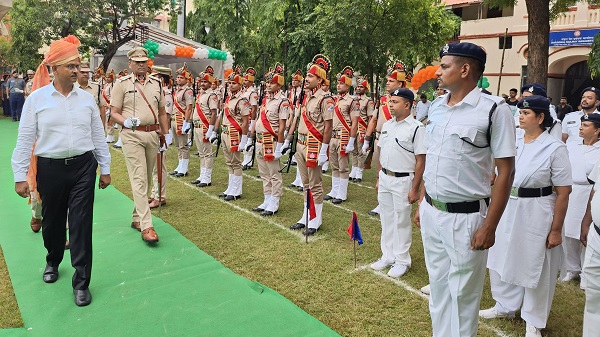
(396,227)
(535,303)
(591,271)
(456,273)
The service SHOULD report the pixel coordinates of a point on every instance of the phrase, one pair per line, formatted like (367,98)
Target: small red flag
(310,205)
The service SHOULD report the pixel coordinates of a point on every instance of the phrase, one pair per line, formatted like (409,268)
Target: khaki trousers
(140,150)
(311,177)
(358,158)
(339,163)
(163,189)
(207,155)
(180,142)
(269,173)
(375,159)
(232,159)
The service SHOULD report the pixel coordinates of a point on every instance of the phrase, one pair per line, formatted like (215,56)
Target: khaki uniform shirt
(276,108)
(381,118)
(94,89)
(168,100)
(319,108)
(349,107)
(184,96)
(251,96)
(238,107)
(208,101)
(126,96)
(107,92)
(28,88)
(367,107)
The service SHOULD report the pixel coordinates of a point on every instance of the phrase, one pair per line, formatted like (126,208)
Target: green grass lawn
(318,276)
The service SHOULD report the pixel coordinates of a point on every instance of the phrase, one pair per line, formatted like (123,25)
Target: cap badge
(530,89)
(586,116)
(593,89)
(525,104)
(446,48)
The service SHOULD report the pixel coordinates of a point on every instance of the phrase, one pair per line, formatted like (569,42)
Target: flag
(310,205)
(354,230)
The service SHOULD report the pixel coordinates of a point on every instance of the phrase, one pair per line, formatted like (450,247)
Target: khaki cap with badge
(161,70)
(138,54)
(84,67)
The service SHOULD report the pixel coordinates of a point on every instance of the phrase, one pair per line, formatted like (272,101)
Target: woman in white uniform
(525,259)
(583,157)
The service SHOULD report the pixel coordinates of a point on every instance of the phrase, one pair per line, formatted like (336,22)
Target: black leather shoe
(297,226)
(83,297)
(195,182)
(311,231)
(179,175)
(258,209)
(50,274)
(245,167)
(294,163)
(203,184)
(328,197)
(337,201)
(267,213)
(324,171)
(291,185)
(222,195)
(233,197)
(116,146)
(371,213)
(172,173)
(357,180)
(300,189)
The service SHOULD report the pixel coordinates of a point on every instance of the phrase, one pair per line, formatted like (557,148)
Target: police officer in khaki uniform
(234,134)
(204,119)
(269,130)
(367,107)
(314,134)
(83,82)
(183,104)
(343,136)
(138,104)
(156,199)
(106,93)
(397,78)
(29,84)
(294,98)
(250,94)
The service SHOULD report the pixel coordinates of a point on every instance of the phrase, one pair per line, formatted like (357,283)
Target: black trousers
(67,186)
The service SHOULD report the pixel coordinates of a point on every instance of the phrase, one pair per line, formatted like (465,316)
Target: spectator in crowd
(512,98)
(563,108)
(423,107)
(15,89)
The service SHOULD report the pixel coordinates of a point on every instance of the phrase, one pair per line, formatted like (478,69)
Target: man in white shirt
(590,99)
(466,130)
(66,162)
(423,108)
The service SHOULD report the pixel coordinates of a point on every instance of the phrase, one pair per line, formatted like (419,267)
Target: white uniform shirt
(570,126)
(396,142)
(455,170)
(552,170)
(63,126)
(595,204)
(422,109)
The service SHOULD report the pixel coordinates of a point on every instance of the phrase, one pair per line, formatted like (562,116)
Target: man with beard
(590,99)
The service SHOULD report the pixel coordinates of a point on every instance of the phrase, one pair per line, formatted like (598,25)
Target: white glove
(213,137)
(323,158)
(251,125)
(278,152)
(209,131)
(169,138)
(285,147)
(243,143)
(132,122)
(350,146)
(186,127)
(285,133)
(365,148)
(163,148)
(249,146)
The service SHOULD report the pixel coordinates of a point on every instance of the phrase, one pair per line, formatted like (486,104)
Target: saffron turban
(61,52)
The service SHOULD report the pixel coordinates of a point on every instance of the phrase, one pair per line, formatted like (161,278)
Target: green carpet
(173,289)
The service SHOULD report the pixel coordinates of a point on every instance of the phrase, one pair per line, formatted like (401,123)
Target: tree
(104,25)
(540,12)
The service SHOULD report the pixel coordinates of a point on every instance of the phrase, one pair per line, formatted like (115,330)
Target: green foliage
(594,57)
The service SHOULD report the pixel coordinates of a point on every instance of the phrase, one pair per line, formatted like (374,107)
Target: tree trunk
(538,34)
(112,50)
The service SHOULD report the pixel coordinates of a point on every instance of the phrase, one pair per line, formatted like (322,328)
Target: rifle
(377,102)
(221,122)
(295,138)
(261,97)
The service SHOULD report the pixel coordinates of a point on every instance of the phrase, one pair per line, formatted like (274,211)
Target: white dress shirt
(422,109)
(396,141)
(456,171)
(61,127)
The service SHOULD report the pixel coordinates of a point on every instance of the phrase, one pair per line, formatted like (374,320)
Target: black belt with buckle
(523,192)
(394,174)
(456,207)
(66,161)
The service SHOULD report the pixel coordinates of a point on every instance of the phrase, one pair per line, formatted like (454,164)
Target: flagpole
(354,253)
(307,216)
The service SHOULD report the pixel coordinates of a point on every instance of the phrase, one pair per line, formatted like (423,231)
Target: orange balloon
(228,72)
(150,63)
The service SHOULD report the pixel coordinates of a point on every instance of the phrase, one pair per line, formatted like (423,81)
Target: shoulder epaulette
(124,78)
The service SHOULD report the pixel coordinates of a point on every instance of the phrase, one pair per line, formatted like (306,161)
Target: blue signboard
(565,38)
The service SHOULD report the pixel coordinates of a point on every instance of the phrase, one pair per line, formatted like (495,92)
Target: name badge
(571,122)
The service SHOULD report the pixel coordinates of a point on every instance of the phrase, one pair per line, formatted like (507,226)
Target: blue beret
(591,118)
(535,89)
(593,89)
(464,49)
(535,103)
(403,92)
